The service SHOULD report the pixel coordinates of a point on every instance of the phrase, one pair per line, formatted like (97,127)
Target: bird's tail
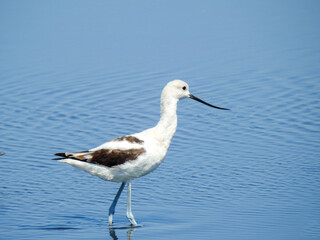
(73,155)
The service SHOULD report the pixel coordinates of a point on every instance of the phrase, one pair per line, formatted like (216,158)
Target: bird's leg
(114,203)
(129,211)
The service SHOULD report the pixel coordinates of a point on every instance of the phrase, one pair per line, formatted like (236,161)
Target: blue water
(75,74)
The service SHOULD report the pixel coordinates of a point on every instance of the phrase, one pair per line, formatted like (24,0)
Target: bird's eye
(184,87)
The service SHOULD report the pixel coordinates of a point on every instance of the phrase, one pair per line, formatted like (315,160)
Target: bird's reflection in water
(112,232)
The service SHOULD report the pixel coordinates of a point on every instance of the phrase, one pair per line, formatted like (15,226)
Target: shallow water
(76,74)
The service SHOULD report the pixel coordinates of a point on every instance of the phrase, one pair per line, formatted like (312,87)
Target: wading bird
(132,156)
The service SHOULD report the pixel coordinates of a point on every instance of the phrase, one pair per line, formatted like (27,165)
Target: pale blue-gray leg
(114,203)
(129,211)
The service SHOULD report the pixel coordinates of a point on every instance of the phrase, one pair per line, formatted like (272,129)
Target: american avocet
(126,158)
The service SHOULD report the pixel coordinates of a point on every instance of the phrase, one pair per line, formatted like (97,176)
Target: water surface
(76,74)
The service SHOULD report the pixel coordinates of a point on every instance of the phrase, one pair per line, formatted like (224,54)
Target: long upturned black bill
(199,100)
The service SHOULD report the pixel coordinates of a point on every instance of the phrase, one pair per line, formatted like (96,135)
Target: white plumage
(126,158)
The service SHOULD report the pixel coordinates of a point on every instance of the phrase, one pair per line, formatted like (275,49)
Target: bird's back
(119,160)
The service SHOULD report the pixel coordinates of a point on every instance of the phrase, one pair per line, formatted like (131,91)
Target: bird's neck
(167,125)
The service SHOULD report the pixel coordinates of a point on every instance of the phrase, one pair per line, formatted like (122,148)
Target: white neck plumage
(167,125)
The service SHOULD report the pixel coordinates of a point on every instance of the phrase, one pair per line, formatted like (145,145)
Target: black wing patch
(130,139)
(105,157)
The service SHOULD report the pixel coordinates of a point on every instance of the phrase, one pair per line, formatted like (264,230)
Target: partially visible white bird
(126,158)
